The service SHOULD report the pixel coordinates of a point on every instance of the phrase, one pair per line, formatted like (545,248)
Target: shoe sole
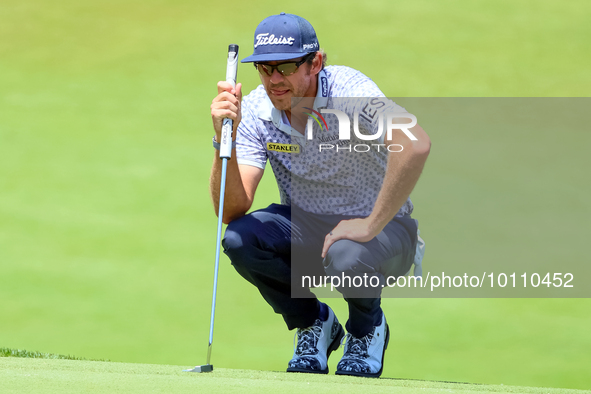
(371,375)
(333,346)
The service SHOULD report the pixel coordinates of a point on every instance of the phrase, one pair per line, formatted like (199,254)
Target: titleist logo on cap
(266,39)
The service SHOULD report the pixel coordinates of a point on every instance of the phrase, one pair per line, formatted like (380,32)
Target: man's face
(281,89)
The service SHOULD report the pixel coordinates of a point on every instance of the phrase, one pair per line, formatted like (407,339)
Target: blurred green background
(107,233)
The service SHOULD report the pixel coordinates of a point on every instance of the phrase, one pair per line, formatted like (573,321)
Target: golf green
(67,376)
(107,231)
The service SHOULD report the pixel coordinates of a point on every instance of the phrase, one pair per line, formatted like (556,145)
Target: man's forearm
(236,201)
(402,173)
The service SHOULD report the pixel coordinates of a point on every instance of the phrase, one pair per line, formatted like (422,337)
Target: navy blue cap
(283,37)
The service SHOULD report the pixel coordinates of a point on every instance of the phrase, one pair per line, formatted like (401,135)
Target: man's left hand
(354,229)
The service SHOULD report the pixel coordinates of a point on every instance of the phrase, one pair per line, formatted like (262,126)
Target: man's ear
(316,63)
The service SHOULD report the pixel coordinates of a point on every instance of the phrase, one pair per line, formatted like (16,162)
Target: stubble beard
(285,104)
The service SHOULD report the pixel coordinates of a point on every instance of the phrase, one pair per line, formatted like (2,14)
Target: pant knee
(255,239)
(346,256)
(351,265)
(237,239)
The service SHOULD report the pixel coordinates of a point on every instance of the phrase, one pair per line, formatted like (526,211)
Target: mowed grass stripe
(73,376)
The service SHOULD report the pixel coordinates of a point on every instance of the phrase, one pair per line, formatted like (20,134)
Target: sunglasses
(284,69)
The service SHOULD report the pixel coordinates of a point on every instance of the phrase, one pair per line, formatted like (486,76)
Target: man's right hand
(226,105)
(241,179)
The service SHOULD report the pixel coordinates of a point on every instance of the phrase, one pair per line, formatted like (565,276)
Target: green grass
(6,352)
(63,376)
(20,353)
(106,228)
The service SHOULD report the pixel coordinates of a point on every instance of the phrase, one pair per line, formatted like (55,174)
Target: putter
(225,155)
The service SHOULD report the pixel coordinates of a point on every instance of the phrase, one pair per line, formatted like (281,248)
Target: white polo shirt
(332,181)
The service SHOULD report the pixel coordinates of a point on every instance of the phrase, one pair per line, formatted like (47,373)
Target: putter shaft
(217,254)
(225,155)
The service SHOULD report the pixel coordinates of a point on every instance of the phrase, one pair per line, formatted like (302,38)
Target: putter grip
(227,125)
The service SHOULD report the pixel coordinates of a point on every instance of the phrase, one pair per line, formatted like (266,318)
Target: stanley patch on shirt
(287,148)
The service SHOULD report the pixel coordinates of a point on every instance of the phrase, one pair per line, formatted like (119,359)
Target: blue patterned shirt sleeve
(250,149)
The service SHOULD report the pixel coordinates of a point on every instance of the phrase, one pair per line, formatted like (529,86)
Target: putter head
(200,368)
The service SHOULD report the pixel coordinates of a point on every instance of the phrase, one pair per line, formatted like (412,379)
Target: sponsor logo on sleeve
(285,148)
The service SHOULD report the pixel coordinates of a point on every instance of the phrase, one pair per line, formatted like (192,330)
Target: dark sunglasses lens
(287,68)
(264,69)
